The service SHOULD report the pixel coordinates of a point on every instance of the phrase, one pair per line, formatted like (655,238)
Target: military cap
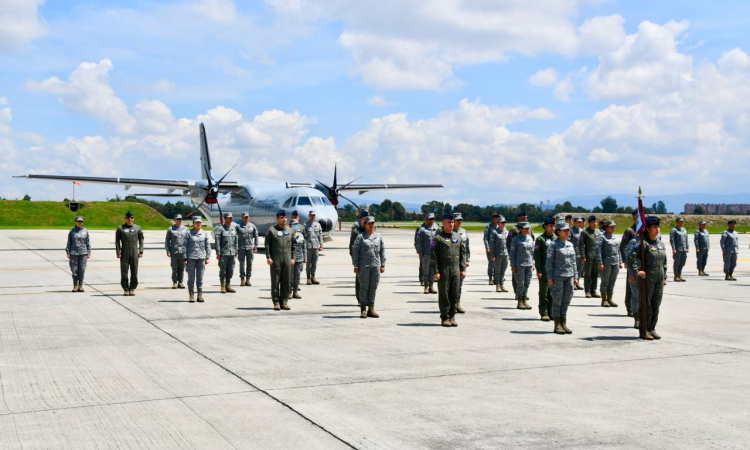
(579,219)
(295,213)
(294,221)
(228,215)
(592,218)
(369,219)
(429,216)
(702,222)
(197,219)
(562,226)
(501,219)
(548,220)
(652,220)
(520,213)
(281,213)
(680,219)
(495,214)
(569,217)
(311,213)
(244,214)
(364,213)
(79,218)
(457,216)
(524,225)
(609,223)
(447,215)
(129,214)
(634,212)
(731,221)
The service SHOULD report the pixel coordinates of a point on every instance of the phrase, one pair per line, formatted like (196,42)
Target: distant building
(717,208)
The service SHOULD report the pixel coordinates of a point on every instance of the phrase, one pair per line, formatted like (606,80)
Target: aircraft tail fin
(205,158)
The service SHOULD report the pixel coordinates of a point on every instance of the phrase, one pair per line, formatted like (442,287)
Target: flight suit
(129,244)
(591,266)
(656,272)
(730,245)
(281,248)
(248,242)
(78,250)
(368,255)
(447,258)
(541,244)
(356,230)
(678,240)
(702,246)
(227,246)
(175,243)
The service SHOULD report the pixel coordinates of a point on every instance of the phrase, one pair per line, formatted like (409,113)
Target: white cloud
(153,117)
(19,23)
(601,155)
(87,91)
(602,34)
(222,11)
(544,77)
(379,101)
(3,101)
(564,89)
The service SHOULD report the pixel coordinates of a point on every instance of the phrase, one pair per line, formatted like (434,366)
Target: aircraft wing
(362,188)
(127,182)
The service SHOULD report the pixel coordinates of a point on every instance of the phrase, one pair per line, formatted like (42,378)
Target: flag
(640,223)
(77,183)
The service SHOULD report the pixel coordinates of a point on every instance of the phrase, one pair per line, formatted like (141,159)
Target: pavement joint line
(257,388)
(146,400)
(516,369)
(717,299)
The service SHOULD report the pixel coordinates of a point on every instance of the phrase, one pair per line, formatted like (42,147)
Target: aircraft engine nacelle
(326,225)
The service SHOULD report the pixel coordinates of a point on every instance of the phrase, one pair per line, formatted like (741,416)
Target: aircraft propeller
(334,191)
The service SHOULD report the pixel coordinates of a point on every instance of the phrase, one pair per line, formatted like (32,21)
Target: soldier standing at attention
(300,257)
(730,245)
(522,263)
(78,250)
(129,247)
(295,215)
(635,299)
(448,262)
(314,246)
(574,236)
(227,246)
(521,217)
(540,261)
(247,234)
(590,236)
(416,248)
(499,254)
(654,272)
(492,226)
(678,240)
(628,236)
(280,250)
(175,244)
(357,228)
(424,242)
(702,245)
(368,258)
(457,221)
(608,254)
(198,254)
(561,270)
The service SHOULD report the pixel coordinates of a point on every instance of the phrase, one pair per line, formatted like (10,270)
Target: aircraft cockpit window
(287,203)
(317,201)
(326,202)
(304,201)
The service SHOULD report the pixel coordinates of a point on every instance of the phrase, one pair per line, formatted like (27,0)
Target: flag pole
(644,315)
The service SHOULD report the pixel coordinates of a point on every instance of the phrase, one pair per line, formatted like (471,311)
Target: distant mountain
(675,203)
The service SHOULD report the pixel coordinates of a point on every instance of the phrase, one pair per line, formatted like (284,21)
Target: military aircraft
(214,197)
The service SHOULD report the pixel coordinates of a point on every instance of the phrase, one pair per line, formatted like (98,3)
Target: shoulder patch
(536,247)
(432,244)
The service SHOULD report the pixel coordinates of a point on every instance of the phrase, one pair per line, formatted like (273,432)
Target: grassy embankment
(97,215)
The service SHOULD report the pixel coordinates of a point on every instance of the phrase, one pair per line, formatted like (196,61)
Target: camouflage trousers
(701,258)
(246,258)
(195,270)
(579,267)
(297,273)
(635,298)
(490,266)
(226,268)
(77,266)
(369,279)
(522,280)
(609,277)
(501,265)
(680,258)
(177,261)
(312,261)
(730,262)
(562,294)
(424,264)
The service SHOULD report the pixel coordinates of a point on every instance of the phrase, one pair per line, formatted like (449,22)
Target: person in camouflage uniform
(78,251)
(197,255)
(540,262)
(499,254)
(521,217)
(678,240)
(561,270)
(628,236)
(368,258)
(575,238)
(608,254)
(227,247)
(635,299)
(424,240)
(457,221)
(314,243)
(300,257)
(654,272)
(730,245)
(488,230)
(448,261)
(522,263)
(247,234)
(701,239)
(129,248)
(357,228)
(175,243)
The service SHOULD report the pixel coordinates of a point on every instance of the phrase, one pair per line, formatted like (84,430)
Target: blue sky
(407,91)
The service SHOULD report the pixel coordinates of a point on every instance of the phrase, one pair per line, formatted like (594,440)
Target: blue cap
(364,213)
(520,213)
(447,215)
(652,220)
(281,213)
(592,218)
(548,220)
(634,213)
(129,214)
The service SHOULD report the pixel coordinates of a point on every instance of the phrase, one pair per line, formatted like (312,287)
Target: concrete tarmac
(98,370)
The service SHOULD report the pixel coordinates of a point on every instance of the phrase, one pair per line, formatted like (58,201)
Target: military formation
(563,254)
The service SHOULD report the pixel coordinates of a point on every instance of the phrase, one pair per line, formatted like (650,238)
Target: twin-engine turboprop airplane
(238,198)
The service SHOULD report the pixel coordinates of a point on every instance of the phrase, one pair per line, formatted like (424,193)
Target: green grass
(97,215)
